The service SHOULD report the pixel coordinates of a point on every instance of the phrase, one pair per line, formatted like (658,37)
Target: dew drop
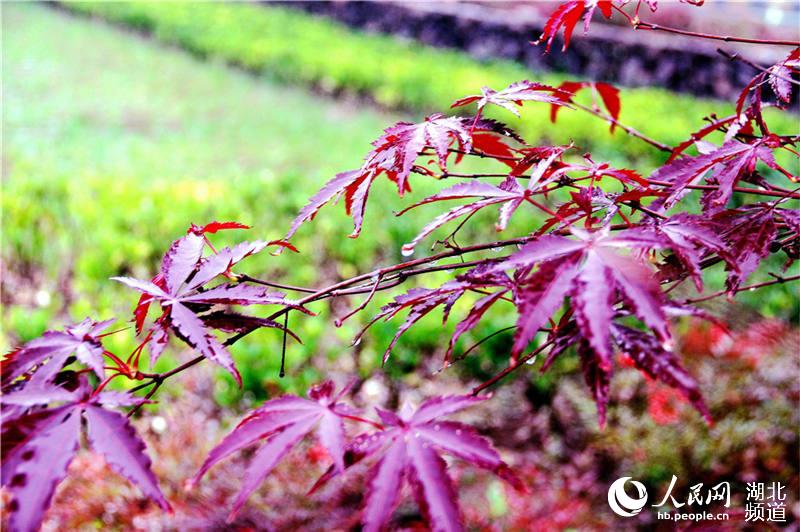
(357,342)
(42,298)
(531,361)
(158,424)
(407,251)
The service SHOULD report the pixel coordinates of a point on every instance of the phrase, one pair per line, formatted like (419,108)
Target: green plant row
(301,48)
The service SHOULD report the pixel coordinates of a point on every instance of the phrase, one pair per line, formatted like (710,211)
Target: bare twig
(743,190)
(778,280)
(737,57)
(521,362)
(641,25)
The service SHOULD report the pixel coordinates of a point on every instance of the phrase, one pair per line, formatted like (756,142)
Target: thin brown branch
(737,57)
(282,372)
(476,153)
(641,25)
(642,208)
(146,399)
(521,362)
(474,346)
(243,277)
(743,190)
(363,304)
(778,280)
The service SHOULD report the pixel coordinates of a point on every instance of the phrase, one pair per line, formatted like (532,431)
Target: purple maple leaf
(596,275)
(728,164)
(282,423)
(394,154)
(691,238)
(48,353)
(546,167)
(410,447)
(512,96)
(597,377)
(650,356)
(184,272)
(780,75)
(647,352)
(509,194)
(749,235)
(39,446)
(421,301)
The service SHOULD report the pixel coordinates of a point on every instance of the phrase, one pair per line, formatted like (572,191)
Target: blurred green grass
(115,143)
(292,46)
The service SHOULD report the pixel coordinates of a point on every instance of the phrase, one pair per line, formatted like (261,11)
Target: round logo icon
(621,503)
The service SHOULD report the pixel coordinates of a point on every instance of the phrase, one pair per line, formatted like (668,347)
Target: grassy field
(292,46)
(114,143)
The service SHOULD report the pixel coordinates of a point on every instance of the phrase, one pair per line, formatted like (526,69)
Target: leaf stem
(743,190)
(509,369)
(282,372)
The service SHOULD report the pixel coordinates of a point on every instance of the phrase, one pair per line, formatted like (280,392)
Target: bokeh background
(125,122)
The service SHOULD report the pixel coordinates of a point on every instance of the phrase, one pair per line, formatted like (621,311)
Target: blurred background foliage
(114,143)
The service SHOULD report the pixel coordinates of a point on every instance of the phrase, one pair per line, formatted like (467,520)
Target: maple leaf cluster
(394,155)
(607,272)
(406,447)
